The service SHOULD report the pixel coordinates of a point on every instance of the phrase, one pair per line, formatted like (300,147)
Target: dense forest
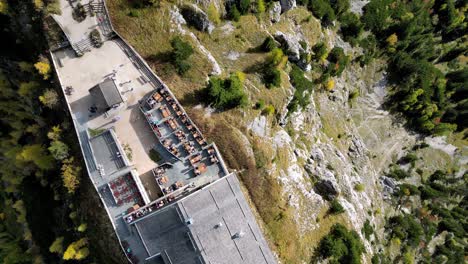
(44,216)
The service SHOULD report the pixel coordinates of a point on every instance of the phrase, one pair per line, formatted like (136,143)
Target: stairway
(83,45)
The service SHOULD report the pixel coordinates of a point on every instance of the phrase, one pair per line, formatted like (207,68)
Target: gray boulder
(287,5)
(291,44)
(326,189)
(196,18)
(275,12)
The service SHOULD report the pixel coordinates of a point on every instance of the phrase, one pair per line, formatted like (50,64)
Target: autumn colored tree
(77,250)
(70,175)
(43,67)
(49,98)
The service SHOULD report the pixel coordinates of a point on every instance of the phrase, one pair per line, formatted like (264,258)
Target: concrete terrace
(151,166)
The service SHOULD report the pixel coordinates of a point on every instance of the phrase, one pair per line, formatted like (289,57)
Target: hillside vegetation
(426,87)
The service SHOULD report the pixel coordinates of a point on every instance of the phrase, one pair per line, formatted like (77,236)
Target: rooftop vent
(218,225)
(238,235)
(189,221)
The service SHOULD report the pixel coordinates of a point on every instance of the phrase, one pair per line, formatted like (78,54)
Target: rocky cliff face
(333,148)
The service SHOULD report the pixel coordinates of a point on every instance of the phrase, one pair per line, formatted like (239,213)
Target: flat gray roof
(107,154)
(165,233)
(107,92)
(216,214)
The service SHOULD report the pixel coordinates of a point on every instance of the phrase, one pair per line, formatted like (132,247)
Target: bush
(408,158)
(303,88)
(269,44)
(320,51)
(181,51)
(353,95)
(95,37)
(233,13)
(244,6)
(155,156)
(408,190)
(338,61)
(340,6)
(367,229)
(341,245)
(268,110)
(226,94)
(272,77)
(213,14)
(359,187)
(260,104)
(351,27)
(79,12)
(398,174)
(405,228)
(336,207)
(322,10)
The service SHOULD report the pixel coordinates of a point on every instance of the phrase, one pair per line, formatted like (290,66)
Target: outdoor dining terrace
(171,125)
(125,190)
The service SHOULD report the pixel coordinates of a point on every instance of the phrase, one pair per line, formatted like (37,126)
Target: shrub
(338,61)
(79,12)
(269,44)
(260,6)
(353,95)
(303,88)
(272,77)
(213,14)
(341,245)
(336,207)
(408,158)
(154,155)
(244,6)
(95,37)
(359,187)
(340,6)
(367,229)
(351,27)
(320,51)
(322,10)
(181,51)
(234,13)
(268,110)
(330,85)
(133,13)
(408,190)
(226,94)
(260,104)
(398,174)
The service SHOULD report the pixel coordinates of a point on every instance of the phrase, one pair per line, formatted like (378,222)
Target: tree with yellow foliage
(3,7)
(70,175)
(43,68)
(57,246)
(392,40)
(38,4)
(77,250)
